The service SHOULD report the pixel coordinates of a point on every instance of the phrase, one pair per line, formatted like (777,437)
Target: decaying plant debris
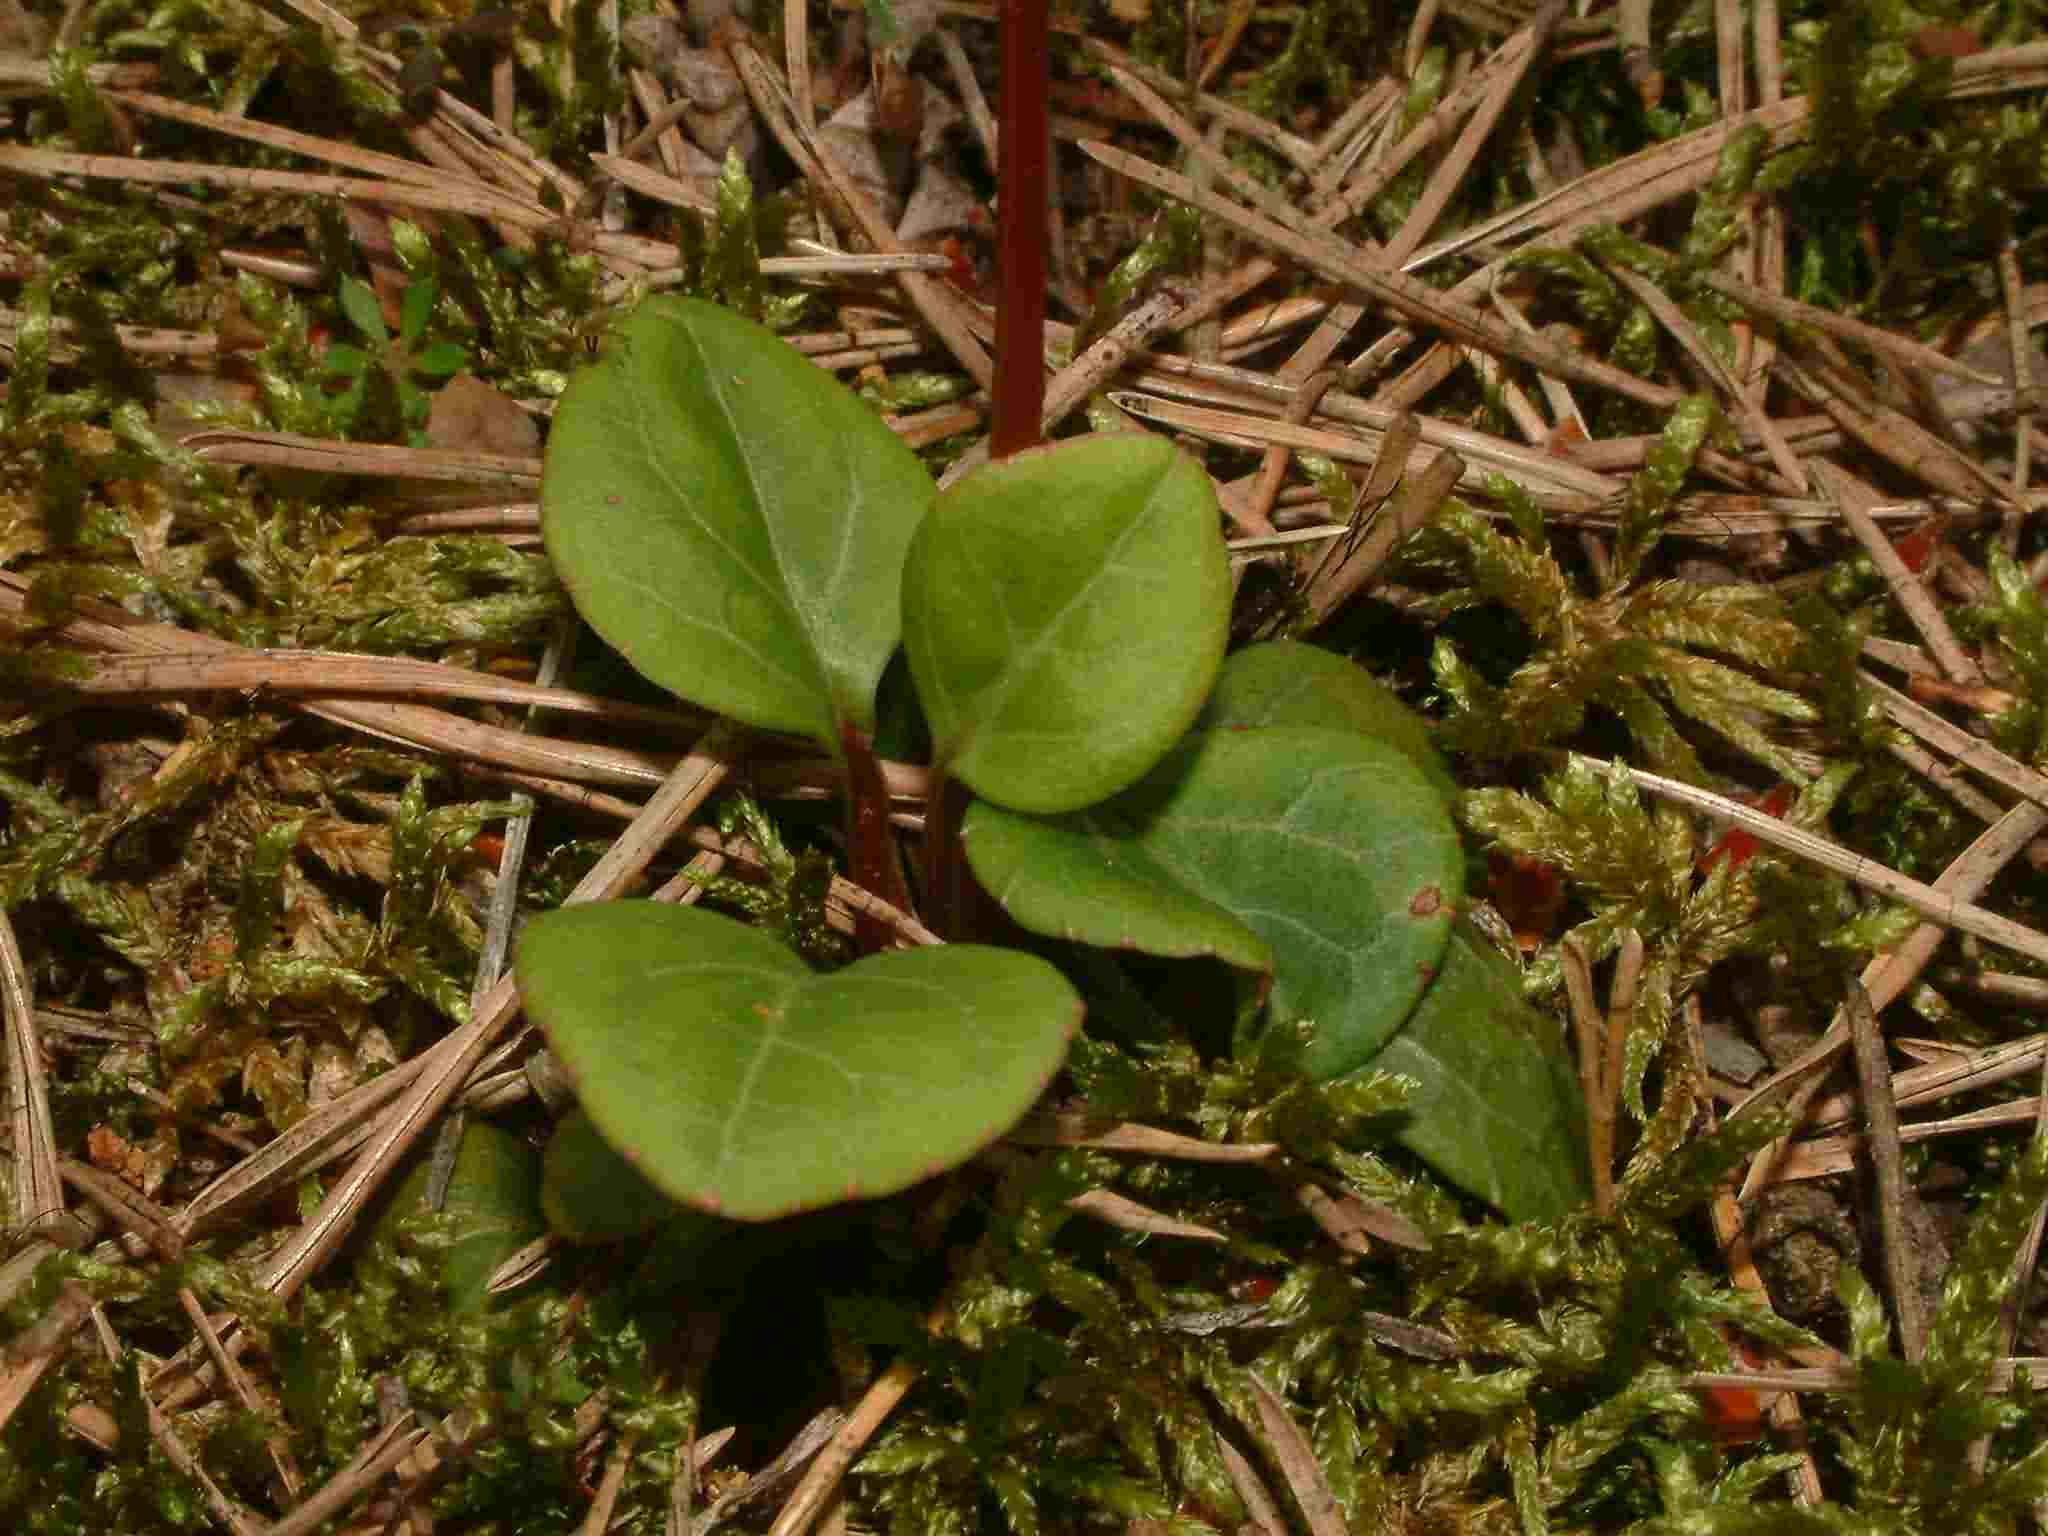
(1650,393)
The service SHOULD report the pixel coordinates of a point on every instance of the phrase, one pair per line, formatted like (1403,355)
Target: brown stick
(1881,1116)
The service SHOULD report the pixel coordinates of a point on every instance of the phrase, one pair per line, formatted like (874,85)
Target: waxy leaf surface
(731,519)
(1284,682)
(1331,848)
(1497,1110)
(741,1082)
(1064,611)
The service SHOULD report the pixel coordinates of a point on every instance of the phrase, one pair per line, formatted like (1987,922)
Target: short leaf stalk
(870,842)
(950,905)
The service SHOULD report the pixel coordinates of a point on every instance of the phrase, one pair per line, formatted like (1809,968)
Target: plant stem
(870,841)
(1023,202)
(1023,205)
(950,907)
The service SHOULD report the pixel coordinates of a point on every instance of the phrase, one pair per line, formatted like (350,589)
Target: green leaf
(882,23)
(732,520)
(359,303)
(493,1209)
(415,309)
(590,1193)
(343,358)
(1084,878)
(439,359)
(742,1083)
(1285,682)
(1065,611)
(1331,848)
(1496,1109)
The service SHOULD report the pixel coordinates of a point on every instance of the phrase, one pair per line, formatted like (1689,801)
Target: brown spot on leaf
(1426,902)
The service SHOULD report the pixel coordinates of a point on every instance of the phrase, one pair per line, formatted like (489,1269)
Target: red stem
(952,900)
(1023,205)
(870,840)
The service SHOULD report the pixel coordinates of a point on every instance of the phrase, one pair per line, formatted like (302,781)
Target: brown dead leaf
(389,284)
(160,1155)
(235,332)
(471,416)
(111,1152)
(331,1074)
(276,1079)
(1938,42)
(1296,1458)
(22,33)
(899,97)
(349,848)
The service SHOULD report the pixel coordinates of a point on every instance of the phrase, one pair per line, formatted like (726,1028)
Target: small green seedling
(752,537)
(491,1210)
(385,362)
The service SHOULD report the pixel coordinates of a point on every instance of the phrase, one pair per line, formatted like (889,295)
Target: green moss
(1636,652)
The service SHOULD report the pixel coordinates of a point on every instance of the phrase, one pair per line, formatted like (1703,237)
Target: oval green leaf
(590,1193)
(1497,1109)
(1331,848)
(1086,878)
(740,1082)
(731,519)
(1064,611)
(1284,682)
(493,1209)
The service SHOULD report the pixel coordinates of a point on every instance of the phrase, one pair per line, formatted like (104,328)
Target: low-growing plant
(752,537)
(384,373)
